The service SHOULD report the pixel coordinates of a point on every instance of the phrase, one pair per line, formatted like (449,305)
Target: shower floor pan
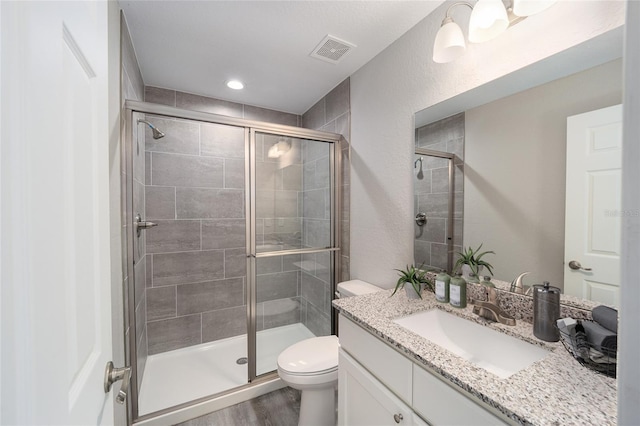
(183,375)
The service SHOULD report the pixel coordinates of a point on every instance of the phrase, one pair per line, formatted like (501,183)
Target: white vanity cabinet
(377,385)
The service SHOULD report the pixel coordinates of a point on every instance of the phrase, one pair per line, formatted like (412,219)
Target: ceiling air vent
(332,49)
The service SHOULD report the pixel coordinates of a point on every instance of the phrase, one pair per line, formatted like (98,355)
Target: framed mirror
(515,152)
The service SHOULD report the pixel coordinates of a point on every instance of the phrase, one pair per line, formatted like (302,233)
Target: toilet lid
(310,356)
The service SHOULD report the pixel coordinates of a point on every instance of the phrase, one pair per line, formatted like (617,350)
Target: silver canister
(546,310)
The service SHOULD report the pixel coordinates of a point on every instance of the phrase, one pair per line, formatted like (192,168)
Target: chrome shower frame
(219,400)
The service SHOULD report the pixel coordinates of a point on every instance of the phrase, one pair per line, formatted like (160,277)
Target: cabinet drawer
(388,365)
(441,404)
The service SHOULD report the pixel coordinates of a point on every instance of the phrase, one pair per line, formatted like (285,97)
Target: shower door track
(250,127)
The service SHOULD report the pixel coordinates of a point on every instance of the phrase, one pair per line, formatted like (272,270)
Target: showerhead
(157,134)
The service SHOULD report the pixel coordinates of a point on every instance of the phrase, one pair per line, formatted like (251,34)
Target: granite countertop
(554,391)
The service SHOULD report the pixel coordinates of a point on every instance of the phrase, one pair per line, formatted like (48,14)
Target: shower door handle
(140,224)
(112,375)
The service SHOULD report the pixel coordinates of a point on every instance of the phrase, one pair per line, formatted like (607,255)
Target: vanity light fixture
(489,19)
(235,84)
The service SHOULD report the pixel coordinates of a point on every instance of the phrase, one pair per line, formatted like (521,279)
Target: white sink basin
(496,352)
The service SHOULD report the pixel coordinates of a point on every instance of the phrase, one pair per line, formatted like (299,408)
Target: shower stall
(231,250)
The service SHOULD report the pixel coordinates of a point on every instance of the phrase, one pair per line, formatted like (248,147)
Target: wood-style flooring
(277,408)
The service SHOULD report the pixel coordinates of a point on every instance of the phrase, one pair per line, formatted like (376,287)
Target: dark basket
(607,364)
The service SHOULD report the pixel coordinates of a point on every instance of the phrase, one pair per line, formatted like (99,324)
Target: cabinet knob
(398,418)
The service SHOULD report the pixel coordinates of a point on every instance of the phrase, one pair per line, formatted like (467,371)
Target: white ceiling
(196,46)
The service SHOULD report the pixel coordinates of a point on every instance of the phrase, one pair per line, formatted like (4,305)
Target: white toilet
(311,366)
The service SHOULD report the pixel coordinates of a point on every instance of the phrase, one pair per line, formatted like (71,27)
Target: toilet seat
(311,357)
(313,373)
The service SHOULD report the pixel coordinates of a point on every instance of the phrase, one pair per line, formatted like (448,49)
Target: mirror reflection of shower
(421,221)
(157,134)
(420,174)
(433,193)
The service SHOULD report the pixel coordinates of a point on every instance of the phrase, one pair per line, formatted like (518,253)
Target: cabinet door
(381,360)
(364,401)
(441,404)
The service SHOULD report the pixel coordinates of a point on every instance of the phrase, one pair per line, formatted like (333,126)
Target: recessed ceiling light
(235,84)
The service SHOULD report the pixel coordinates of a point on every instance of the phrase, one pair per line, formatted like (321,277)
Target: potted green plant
(416,278)
(471,262)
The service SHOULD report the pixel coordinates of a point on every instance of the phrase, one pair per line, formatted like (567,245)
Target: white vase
(411,292)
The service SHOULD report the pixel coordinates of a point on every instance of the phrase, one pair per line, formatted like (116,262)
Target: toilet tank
(355,288)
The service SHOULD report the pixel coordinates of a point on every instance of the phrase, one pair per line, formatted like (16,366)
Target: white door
(56,303)
(592,213)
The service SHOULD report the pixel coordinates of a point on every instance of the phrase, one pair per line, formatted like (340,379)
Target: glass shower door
(190,269)
(293,243)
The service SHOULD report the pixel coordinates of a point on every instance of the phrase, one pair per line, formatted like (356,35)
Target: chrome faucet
(490,309)
(517,286)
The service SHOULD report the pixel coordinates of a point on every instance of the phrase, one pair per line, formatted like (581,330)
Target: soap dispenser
(546,311)
(442,287)
(458,292)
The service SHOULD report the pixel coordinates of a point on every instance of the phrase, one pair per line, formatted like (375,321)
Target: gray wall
(332,113)
(515,171)
(195,102)
(194,190)
(431,192)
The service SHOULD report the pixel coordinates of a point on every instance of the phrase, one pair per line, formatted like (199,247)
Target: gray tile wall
(195,192)
(193,102)
(331,113)
(431,189)
(133,88)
